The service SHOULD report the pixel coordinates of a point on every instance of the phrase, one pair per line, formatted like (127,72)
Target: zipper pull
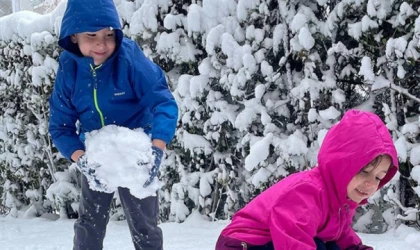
(244,246)
(93,70)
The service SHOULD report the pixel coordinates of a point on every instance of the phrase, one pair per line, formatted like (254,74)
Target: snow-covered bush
(28,53)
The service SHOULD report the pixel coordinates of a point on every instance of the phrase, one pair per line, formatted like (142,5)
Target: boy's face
(99,45)
(365,183)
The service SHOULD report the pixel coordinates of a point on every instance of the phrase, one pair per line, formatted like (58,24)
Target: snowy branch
(404,91)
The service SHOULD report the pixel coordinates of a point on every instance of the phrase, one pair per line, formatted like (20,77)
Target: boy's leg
(142,218)
(89,229)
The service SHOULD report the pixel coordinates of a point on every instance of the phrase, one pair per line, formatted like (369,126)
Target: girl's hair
(377,160)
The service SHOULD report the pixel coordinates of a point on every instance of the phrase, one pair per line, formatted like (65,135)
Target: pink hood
(314,203)
(350,146)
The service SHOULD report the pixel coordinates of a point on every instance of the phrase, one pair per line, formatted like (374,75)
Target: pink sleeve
(295,217)
(349,237)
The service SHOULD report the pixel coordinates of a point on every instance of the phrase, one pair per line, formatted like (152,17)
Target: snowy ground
(194,234)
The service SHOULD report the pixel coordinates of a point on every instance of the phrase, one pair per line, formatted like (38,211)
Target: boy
(105,79)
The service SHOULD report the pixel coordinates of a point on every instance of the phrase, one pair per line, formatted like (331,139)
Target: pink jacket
(314,203)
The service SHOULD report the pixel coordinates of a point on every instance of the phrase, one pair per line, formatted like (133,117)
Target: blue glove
(158,153)
(88,170)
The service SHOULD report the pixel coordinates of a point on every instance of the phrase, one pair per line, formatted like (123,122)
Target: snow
(266,68)
(144,20)
(329,114)
(380,82)
(338,97)
(410,130)
(306,39)
(368,24)
(132,148)
(401,147)
(196,143)
(195,233)
(355,30)
(259,152)
(396,47)
(25,23)
(415,173)
(220,23)
(194,18)
(312,115)
(364,220)
(415,155)
(366,69)
(299,20)
(213,38)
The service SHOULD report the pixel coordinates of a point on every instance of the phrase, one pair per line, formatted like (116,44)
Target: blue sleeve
(63,117)
(151,83)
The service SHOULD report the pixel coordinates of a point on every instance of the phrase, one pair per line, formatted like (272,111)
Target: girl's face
(99,45)
(365,183)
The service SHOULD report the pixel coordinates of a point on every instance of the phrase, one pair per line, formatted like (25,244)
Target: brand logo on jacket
(119,93)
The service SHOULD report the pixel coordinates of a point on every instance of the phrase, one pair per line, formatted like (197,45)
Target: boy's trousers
(142,216)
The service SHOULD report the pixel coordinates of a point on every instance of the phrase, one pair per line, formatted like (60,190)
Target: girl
(314,209)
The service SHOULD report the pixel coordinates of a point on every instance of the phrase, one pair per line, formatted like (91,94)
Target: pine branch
(404,91)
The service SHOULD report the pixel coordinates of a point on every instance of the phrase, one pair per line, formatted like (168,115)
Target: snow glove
(88,170)
(157,153)
(360,247)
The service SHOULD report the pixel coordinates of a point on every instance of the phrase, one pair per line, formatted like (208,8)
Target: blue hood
(88,16)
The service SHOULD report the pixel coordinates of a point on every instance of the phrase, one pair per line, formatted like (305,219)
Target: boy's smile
(365,183)
(98,45)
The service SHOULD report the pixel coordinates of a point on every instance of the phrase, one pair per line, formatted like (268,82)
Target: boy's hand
(89,170)
(158,153)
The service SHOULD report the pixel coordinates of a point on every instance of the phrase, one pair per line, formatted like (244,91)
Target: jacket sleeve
(349,238)
(63,117)
(151,85)
(296,216)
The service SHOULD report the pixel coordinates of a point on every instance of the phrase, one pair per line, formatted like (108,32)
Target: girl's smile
(365,183)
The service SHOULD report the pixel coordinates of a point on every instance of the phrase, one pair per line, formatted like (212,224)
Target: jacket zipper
(95,95)
(339,220)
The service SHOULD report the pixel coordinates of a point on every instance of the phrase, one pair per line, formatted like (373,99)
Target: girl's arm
(296,217)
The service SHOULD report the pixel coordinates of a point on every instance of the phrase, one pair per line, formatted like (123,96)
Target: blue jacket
(127,90)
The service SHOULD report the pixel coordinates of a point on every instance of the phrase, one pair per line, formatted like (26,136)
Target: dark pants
(142,216)
(226,243)
(321,245)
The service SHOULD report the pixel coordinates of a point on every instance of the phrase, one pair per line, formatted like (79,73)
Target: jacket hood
(348,147)
(88,16)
